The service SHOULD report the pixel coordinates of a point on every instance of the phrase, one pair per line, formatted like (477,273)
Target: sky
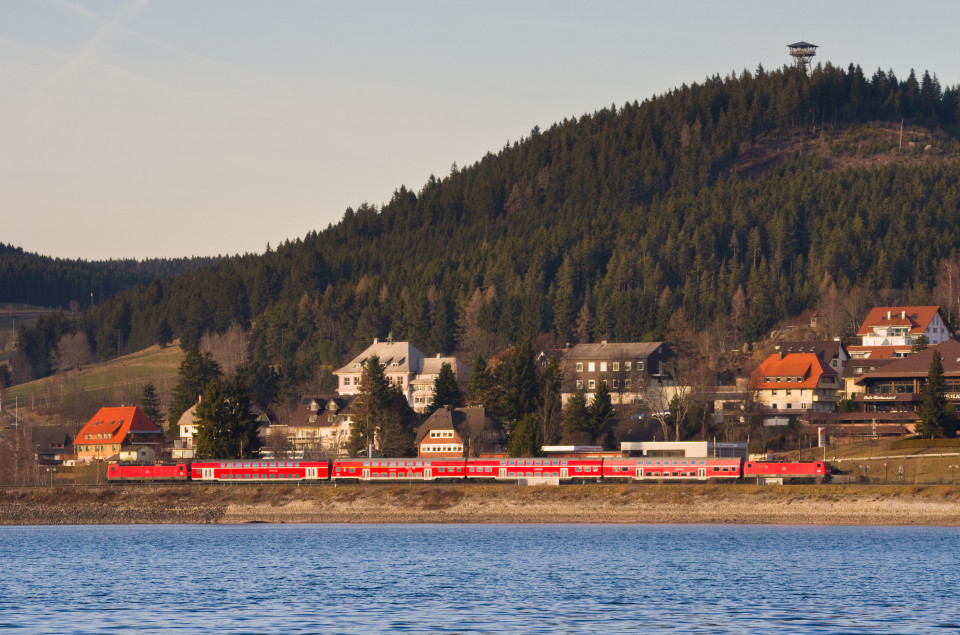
(170,128)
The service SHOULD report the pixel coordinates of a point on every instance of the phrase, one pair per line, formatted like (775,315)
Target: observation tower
(802,53)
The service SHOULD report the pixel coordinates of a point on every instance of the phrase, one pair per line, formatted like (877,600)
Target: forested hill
(737,200)
(55,282)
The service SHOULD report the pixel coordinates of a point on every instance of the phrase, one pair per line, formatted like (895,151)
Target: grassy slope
(75,396)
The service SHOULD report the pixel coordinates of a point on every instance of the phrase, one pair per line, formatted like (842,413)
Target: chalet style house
(459,432)
(891,332)
(794,386)
(405,366)
(628,368)
(112,430)
(319,427)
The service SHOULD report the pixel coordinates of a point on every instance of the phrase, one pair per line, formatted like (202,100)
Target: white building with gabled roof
(404,366)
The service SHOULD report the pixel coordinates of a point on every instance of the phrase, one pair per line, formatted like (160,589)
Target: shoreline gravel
(428,503)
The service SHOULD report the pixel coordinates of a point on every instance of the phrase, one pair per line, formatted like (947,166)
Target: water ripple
(477,579)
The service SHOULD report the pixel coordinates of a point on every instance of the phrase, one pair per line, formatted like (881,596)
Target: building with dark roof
(628,368)
(459,432)
(320,426)
(889,396)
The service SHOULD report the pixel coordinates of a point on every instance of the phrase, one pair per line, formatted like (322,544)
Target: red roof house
(113,429)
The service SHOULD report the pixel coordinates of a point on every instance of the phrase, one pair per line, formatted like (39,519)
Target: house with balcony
(794,386)
(891,332)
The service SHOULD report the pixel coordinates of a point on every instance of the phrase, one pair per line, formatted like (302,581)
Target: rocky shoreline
(714,504)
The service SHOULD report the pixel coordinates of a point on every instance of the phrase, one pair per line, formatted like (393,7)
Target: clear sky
(165,128)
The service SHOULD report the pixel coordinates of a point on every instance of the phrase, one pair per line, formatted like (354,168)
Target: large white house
(901,326)
(404,366)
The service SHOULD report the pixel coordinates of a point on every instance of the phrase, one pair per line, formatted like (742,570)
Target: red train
(380,470)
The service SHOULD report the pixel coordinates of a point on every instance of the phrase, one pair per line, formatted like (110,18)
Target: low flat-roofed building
(685,449)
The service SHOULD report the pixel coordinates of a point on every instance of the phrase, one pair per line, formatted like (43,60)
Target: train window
(716,469)
(683,462)
(656,462)
(579,469)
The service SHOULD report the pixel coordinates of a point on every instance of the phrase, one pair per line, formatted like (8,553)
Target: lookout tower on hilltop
(802,53)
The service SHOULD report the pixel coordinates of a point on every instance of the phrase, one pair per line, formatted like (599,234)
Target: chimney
(780,355)
(603,341)
(889,315)
(903,314)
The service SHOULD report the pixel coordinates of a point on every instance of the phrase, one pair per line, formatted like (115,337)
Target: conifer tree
(226,427)
(478,386)
(936,416)
(194,373)
(446,390)
(576,417)
(526,439)
(601,409)
(382,419)
(149,403)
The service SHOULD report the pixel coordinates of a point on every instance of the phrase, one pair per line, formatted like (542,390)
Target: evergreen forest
(734,202)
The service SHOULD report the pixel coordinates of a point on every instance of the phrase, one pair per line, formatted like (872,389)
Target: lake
(478,578)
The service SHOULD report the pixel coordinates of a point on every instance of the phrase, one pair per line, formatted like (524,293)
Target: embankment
(423,503)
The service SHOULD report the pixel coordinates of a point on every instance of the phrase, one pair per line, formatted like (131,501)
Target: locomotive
(463,469)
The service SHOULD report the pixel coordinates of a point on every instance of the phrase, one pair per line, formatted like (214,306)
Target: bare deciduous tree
(229,350)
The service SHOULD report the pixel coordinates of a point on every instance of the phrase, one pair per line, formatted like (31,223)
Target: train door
(639,473)
(208,473)
(503,472)
(311,472)
(366,474)
(564,472)
(702,473)
(427,473)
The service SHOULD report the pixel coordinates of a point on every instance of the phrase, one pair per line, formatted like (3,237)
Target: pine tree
(226,427)
(519,385)
(526,439)
(936,416)
(150,404)
(478,386)
(576,417)
(601,409)
(382,416)
(446,390)
(194,373)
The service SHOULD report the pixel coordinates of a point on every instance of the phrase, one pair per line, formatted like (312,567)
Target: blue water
(478,578)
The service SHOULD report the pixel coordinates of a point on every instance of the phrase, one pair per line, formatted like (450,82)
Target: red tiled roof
(114,424)
(806,366)
(918,318)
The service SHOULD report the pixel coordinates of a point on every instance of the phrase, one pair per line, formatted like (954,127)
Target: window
(592,384)
(639,365)
(579,367)
(591,367)
(616,383)
(626,383)
(580,384)
(626,365)
(615,366)
(603,367)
